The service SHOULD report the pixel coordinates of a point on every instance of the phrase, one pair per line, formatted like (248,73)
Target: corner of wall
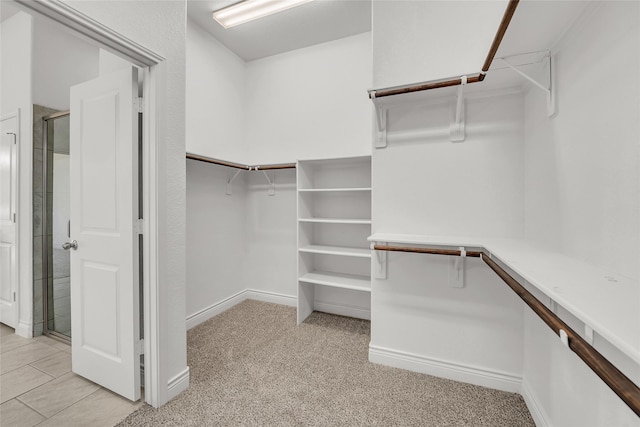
(540,418)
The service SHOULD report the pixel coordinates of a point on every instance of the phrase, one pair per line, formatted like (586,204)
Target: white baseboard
(178,384)
(445,369)
(342,309)
(221,306)
(24,329)
(215,309)
(275,298)
(535,408)
(272,297)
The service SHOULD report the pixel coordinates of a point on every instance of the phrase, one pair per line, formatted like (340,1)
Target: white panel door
(8,216)
(104,267)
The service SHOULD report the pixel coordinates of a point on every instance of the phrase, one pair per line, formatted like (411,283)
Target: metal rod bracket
(272,183)
(380,112)
(548,89)
(456,129)
(380,265)
(456,269)
(564,337)
(229,191)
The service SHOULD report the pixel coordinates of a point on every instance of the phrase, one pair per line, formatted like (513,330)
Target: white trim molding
(156,392)
(224,305)
(178,384)
(343,309)
(536,409)
(271,297)
(24,329)
(213,310)
(93,30)
(444,369)
(325,306)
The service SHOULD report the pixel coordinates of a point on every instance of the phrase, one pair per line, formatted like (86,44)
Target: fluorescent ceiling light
(248,10)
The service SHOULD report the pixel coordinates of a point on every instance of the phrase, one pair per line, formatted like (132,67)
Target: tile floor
(37,387)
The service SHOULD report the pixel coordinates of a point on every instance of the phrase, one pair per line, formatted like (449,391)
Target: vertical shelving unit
(334,221)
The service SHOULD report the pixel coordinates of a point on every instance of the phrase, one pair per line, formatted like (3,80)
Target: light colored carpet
(252,365)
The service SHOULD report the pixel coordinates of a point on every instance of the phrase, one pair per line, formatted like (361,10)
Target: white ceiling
(536,26)
(315,22)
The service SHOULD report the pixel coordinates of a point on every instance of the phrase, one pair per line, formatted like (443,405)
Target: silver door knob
(70,245)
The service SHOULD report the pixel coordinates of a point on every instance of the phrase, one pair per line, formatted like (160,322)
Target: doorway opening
(56,227)
(152,66)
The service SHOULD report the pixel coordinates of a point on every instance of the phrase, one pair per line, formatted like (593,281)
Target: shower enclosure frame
(45,229)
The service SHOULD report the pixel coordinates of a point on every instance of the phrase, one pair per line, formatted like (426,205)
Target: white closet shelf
(334,190)
(337,220)
(606,302)
(338,280)
(337,250)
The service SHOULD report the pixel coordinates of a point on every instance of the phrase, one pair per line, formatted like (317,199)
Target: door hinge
(14,297)
(138,226)
(14,217)
(139,104)
(141,347)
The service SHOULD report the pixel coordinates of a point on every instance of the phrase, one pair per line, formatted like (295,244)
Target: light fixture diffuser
(248,10)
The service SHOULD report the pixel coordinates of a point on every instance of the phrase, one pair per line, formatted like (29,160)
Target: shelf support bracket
(381,122)
(272,183)
(380,264)
(456,129)
(549,91)
(229,191)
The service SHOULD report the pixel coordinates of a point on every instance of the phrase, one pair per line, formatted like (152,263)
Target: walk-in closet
(461,213)
(320,212)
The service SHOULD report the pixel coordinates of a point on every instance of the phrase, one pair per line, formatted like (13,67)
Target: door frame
(153,70)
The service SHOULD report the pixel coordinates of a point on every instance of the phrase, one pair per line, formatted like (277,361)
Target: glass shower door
(58,296)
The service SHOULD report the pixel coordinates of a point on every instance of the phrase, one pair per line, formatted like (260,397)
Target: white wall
(16,89)
(215,120)
(60,60)
(216,235)
(571,183)
(582,175)
(425,184)
(108,62)
(310,103)
(270,233)
(259,113)
(432,186)
(583,167)
(417,41)
(161,27)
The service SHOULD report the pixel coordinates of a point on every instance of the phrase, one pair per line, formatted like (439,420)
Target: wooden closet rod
(273,167)
(502,29)
(216,161)
(621,385)
(238,165)
(434,251)
(437,84)
(616,380)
